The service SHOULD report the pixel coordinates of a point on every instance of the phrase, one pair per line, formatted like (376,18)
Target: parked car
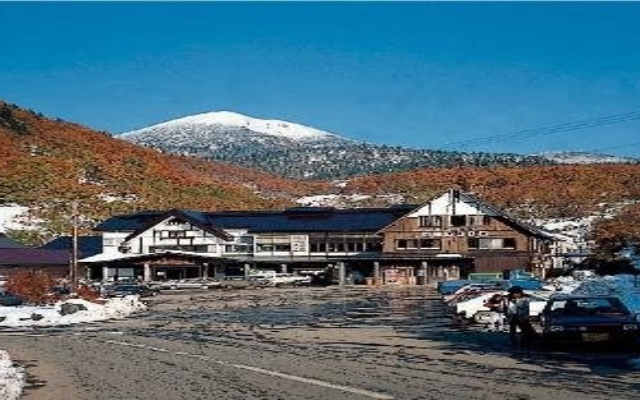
(126,290)
(475,309)
(589,319)
(474,288)
(186,284)
(239,282)
(10,300)
(449,287)
(285,279)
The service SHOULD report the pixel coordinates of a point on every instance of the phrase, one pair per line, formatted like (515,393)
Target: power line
(549,130)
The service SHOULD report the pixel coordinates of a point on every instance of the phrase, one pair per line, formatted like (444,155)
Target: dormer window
(479,220)
(430,221)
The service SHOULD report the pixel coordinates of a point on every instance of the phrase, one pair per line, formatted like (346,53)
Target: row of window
(472,243)
(437,221)
(315,247)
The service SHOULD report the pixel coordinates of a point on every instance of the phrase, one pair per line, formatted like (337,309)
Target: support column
(205,270)
(246,269)
(146,272)
(105,272)
(283,268)
(424,267)
(376,273)
(341,273)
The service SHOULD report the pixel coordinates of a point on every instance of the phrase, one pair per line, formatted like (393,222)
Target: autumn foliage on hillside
(46,164)
(539,191)
(618,232)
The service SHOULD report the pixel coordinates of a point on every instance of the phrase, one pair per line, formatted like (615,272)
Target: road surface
(303,343)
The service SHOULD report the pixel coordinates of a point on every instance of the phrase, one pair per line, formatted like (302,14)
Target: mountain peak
(230,119)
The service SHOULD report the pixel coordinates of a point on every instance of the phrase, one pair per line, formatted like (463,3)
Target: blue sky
(416,74)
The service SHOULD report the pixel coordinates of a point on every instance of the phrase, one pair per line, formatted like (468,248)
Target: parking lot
(306,343)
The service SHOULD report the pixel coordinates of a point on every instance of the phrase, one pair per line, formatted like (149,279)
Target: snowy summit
(226,120)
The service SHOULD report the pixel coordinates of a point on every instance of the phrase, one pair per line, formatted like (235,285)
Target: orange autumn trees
(33,286)
(618,232)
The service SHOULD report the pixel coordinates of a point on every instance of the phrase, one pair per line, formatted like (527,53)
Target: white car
(186,284)
(290,279)
(472,289)
(475,309)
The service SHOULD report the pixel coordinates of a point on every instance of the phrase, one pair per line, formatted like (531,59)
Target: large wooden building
(445,238)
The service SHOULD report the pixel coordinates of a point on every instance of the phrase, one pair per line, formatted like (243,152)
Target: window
(478,220)
(273,247)
(195,249)
(175,234)
(491,243)
(458,220)
(430,221)
(318,247)
(411,244)
(430,243)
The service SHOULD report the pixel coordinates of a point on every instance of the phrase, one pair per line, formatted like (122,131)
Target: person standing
(495,304)
(521,332)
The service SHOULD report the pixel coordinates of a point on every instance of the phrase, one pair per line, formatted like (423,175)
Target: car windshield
(587,306)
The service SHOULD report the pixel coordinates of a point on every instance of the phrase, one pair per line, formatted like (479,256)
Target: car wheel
(482,317)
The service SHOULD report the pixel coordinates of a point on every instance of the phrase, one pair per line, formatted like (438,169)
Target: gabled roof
(456,195)
(512,220)
(195,218)
(299,219)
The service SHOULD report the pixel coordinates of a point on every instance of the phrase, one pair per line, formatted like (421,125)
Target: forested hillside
(535,191)
(45,164)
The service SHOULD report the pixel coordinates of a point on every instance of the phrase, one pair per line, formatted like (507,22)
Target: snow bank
(11,378)
(50,315)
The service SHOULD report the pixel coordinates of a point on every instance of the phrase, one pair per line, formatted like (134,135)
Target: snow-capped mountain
(297,151)
(220,122)
(577,157)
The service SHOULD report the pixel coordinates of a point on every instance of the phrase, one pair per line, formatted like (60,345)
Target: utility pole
(73,273)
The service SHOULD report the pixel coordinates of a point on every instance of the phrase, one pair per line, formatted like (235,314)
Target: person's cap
(515,290)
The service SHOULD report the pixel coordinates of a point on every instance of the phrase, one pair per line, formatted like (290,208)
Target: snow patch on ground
(21,316)
(12,378)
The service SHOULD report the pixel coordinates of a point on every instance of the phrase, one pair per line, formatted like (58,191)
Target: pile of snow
(11,378)
(50,315)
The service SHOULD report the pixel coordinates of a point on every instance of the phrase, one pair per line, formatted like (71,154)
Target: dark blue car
(589,320)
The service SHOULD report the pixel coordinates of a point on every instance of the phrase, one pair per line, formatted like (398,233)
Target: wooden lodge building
(445,238)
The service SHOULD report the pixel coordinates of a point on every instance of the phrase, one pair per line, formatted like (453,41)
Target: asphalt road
(329,343)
